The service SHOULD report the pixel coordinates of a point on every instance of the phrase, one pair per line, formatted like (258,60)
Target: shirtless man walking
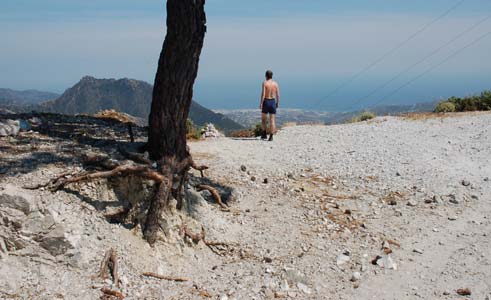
(270,100)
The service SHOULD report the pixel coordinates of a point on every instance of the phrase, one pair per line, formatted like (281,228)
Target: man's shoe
(264,135)
(270,137)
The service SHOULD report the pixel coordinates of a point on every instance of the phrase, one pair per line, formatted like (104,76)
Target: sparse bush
(445,107)
(258,130)
(364,116)
(189,126)
(243,133)
(470,103)
(192,132)
(248,133)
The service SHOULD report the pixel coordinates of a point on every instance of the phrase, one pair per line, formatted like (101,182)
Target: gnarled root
(201,168)
(170,175)
(197,237)
(142,171)
(215,195)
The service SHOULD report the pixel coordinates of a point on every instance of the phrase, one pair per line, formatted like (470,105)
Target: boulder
(9,127)
(55,241)
(17,198)
(211,132)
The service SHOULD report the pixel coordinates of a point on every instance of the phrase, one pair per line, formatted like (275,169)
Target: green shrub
(364,116)
(189,126)
(445,107)
(192,132)
(470,103)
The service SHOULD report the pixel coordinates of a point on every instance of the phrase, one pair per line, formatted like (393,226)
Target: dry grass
(432,115)
(111,114)
(289,124)
(244,133)
(392,198)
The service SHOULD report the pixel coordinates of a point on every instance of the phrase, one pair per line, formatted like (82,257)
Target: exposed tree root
(111,293)
(201,169)
(170,174)
(169,278)
(142,171)
(42,185)
(215,194)
(197,237)
(110,262)
(136,157)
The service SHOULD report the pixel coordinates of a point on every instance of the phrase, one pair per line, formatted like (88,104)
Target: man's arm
(277,95)
(263,91)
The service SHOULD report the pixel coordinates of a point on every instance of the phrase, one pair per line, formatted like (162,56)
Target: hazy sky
(313,46)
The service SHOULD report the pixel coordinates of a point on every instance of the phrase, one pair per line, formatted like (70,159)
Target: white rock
(356,276)
(342,258)
(305,289)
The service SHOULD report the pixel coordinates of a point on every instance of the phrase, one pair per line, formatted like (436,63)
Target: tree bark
(176,73)
(172,96)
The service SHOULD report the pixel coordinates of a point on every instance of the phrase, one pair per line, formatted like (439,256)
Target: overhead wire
(455,53)
(390,52)
(431,54)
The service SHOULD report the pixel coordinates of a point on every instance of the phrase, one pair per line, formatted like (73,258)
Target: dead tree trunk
(172,96)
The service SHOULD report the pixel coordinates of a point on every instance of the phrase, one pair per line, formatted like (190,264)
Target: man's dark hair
(269,74)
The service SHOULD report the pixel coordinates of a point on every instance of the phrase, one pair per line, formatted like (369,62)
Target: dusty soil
(309,214)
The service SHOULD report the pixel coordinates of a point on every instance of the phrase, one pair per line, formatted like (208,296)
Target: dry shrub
(111,114)
(289,124)
(244,133)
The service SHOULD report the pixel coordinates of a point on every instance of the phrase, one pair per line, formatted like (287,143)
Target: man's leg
(264,118)
(272,123)
(272,126)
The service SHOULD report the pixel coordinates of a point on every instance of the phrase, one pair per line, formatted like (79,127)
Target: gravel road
(422,183)
(392,208)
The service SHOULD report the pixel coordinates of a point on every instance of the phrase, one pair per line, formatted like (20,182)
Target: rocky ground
(390,209)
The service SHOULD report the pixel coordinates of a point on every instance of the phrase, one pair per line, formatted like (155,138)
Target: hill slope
(134,97)
(333,198)
(27,97)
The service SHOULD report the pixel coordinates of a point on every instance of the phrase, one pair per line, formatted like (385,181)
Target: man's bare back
(270,89)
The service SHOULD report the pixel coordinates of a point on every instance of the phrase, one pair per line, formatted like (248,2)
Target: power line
(433,67)
(399,46)
(420,61)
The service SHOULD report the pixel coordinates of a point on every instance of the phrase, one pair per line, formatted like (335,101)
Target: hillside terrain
(28,97)
(133,97)
(393,208)
(91,95)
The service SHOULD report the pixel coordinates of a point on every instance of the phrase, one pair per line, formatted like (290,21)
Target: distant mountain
(19,98)
(134,97)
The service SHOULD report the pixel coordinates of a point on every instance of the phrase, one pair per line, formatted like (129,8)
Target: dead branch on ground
(163,277)
(110,262)
(112,293)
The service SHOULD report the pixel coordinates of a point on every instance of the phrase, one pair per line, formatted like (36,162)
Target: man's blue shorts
(269,106)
